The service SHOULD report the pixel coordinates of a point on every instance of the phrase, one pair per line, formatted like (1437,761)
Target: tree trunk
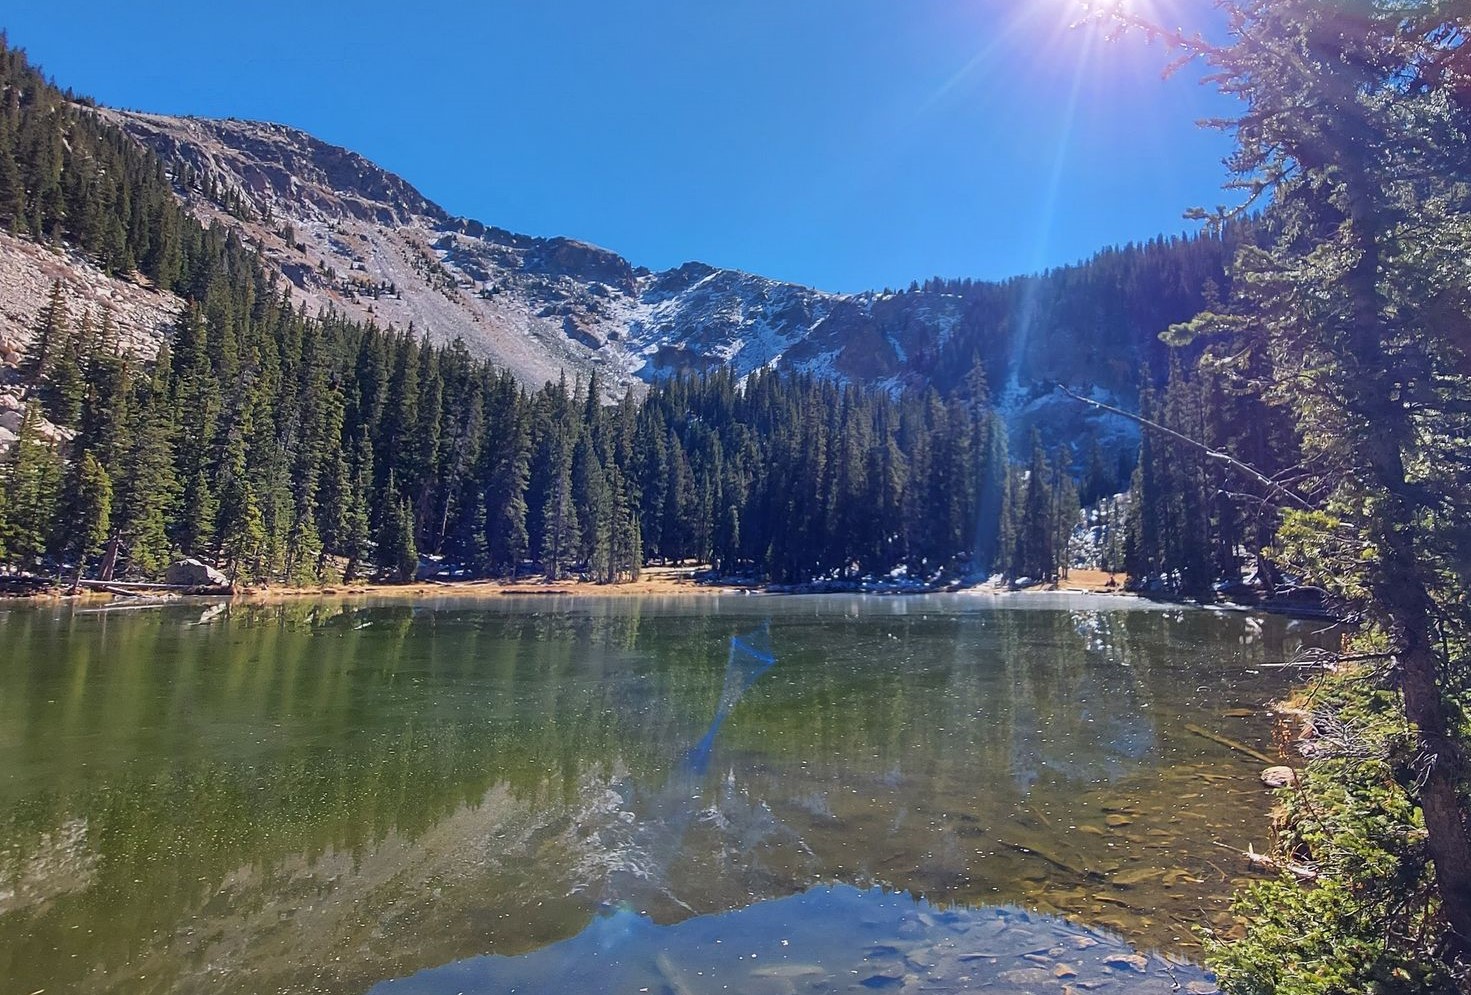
(109,559)
(1440,760)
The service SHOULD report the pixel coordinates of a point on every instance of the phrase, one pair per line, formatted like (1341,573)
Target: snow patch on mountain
(349,237)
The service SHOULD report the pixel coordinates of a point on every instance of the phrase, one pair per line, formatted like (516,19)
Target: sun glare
(1112,14)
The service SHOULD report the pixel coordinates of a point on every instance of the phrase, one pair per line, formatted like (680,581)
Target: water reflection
(750,656)
(1086,718)
(828,939)
(638,833)
(317,797)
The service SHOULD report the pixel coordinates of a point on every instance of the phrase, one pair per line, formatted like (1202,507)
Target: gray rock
(194,573)
(1131,962)
(1279,777)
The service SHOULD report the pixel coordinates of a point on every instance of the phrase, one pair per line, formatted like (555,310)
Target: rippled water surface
(782,794)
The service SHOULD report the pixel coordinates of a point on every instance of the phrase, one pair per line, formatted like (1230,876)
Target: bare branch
(1276,488)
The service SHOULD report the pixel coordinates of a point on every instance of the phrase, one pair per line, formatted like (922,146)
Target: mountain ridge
(351,236)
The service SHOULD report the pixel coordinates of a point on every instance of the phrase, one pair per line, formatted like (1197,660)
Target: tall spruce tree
(1356,122)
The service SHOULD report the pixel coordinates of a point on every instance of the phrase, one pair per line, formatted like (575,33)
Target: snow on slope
(349,236)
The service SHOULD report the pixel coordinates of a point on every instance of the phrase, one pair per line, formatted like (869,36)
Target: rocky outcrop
(194,573)
(12,413)
(272,164)
(141,314)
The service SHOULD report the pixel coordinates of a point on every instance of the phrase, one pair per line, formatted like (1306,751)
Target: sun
(1117,14)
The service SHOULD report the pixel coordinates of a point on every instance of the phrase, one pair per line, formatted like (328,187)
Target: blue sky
(846,144)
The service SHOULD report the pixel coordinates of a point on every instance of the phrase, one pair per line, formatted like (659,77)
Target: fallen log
(1231,744)
(129,588)
(1055,860)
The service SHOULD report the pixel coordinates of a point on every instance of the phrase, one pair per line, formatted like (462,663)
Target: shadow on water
(827,939)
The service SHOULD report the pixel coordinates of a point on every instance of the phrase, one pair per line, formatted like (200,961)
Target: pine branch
(1215,454)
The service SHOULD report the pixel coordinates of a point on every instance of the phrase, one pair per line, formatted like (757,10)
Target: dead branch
(1214,454)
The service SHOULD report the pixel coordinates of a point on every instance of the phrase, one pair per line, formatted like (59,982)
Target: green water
(322,797)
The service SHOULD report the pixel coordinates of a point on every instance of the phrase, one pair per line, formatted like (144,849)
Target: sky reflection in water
(828,939)
(317,797)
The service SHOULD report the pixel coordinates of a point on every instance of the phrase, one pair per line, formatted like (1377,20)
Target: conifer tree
(507,539)
(397,553)
(1354,121)
(30,476)
(50,337)
(562,531)
(89,513)
(147,489)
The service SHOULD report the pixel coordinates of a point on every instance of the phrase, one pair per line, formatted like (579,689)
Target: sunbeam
(1047,216)
(1014,28)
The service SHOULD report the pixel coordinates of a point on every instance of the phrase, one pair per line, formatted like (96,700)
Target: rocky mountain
(351,236)
(28,271)
(141,315)
(347,235)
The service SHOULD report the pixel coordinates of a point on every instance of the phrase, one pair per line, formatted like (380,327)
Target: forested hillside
(67,176)
(287,446)
(290,447)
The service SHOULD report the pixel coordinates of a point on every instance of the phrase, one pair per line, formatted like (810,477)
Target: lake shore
(682,581)
(653,582)
(656,581)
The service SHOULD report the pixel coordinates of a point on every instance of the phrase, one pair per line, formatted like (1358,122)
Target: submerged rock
(1131,962)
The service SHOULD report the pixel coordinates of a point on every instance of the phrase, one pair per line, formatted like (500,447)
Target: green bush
(1369,922)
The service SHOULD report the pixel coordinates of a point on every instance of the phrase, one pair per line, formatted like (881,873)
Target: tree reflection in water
(320,796)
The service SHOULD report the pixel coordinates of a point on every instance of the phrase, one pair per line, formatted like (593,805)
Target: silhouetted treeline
(1094,322)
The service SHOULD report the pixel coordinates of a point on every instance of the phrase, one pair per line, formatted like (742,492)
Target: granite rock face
(350,236)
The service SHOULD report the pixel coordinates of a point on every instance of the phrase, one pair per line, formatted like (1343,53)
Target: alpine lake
(721,793)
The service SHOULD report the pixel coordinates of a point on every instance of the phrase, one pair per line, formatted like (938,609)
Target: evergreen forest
(1304,388)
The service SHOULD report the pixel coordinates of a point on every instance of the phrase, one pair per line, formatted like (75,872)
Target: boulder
(1129,962)
(1279,777)
(194,573)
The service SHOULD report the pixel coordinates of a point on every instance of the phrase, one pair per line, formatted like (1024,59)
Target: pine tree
(30,476)
(594,503)
(356,523)
(148,491)
(64,384)
(89,512)
(397,552)
(1354,123)
(1035,551)
(50,337)
(241,539)
(562,531)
